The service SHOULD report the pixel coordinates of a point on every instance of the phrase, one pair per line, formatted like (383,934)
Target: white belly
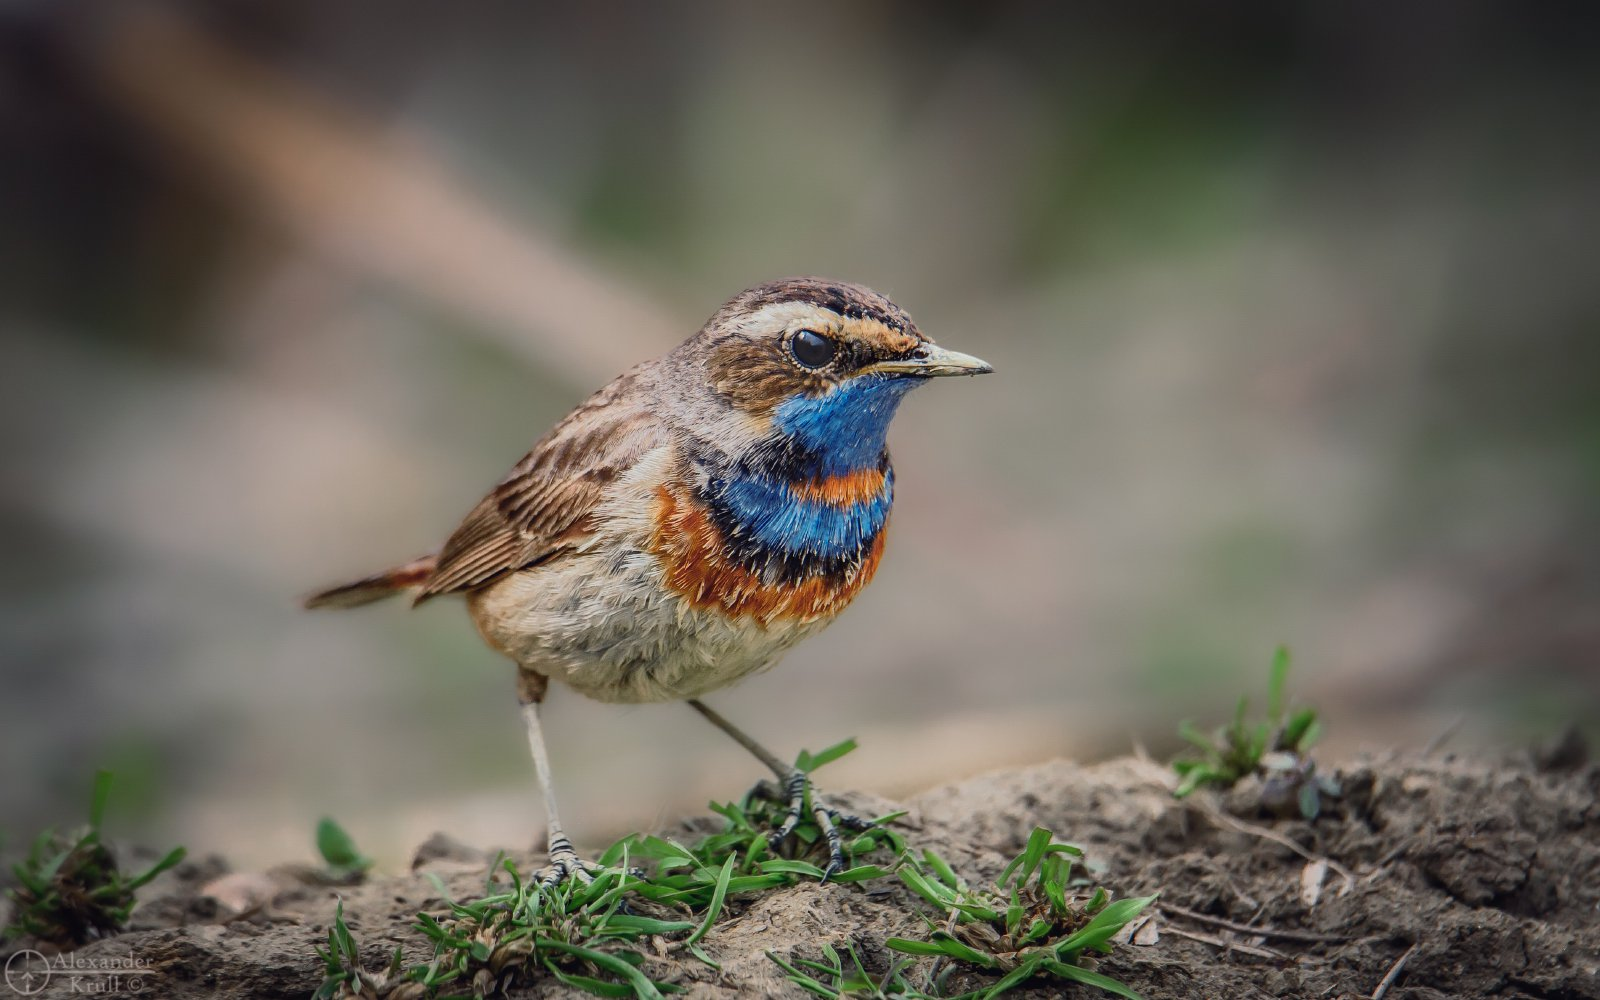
(601,622)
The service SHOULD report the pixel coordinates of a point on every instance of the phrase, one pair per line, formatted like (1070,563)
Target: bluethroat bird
(692,520)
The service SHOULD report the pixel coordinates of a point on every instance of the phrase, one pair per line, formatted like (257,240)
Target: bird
(692,520)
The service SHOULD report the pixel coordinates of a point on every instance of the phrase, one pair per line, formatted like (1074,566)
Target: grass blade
(809,762)
(718,894)
(1021,974)
(942,868)
(1104,926)
(97,802)
(1090,978)
(782,867)
(936,893)
(802,980)
(635,924)
(172,857)
(861,873)
(1275,686)
(588,984)
(642,985)
(959,949)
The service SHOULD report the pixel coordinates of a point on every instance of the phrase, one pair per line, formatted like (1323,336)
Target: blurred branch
(366,198)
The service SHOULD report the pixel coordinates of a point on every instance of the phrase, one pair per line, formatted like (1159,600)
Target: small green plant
(586,935)
(345,863)
(342,973)
(578,933)
(1276,748)
(1034,922)
(69,888)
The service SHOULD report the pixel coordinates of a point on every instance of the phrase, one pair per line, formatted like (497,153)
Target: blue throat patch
(841,432)
(847,428)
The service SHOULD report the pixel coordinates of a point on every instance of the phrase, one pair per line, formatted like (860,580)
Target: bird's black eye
(812,349)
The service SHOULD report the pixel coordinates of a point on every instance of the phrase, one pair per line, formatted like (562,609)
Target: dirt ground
(1483,875)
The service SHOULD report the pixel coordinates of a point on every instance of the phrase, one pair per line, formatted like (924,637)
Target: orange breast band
(843,489)
(698,568)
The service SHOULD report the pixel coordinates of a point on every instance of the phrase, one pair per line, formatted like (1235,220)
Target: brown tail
(374,588)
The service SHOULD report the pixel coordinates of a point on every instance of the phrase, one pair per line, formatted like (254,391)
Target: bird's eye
(812,349)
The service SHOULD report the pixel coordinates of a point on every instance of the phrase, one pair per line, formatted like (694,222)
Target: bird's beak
(932,361)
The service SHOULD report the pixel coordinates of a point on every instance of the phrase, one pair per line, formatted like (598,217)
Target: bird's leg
(564,862)
(793,785)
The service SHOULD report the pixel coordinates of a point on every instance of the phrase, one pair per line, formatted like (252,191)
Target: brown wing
(541,508)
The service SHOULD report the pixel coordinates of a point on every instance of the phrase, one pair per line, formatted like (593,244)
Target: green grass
(588,935)
(343,860)
(1037,921)
(595,936)
(343,975)
(578,933)
(1276,748)
(69,889)
(581,934)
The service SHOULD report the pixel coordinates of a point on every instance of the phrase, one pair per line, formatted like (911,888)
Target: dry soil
(1483,874)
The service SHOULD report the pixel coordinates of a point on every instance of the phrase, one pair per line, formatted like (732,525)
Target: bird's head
(819,367)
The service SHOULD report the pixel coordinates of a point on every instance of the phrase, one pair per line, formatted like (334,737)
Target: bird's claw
(564,866)
(829,819)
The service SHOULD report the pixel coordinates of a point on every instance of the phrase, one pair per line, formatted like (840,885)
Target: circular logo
(27,972)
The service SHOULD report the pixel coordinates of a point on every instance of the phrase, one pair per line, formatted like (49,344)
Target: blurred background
(1294,308)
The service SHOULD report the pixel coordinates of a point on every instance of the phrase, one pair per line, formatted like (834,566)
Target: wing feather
(541,508)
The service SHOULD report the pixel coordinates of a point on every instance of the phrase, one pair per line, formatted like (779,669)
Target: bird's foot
(565,866)
(801,797)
